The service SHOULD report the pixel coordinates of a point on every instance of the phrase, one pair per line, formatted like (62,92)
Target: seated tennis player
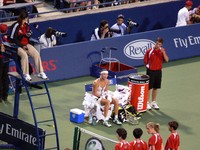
(100,90)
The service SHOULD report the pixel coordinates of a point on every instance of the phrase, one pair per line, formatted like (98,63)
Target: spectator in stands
(195,15)
(30,9)
(101,32)
(183,17)
(4,66)
(119,28)
(48,39)
(77,3)
(91,2)
(153,60)
(20,34)
(173,142)
(123,144)
(138,144)
(7,2)
(100,90)
(7,12)
(155,141)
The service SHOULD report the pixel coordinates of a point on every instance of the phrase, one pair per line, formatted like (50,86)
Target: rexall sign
(136,49)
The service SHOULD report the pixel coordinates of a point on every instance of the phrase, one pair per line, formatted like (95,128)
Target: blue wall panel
(75,60)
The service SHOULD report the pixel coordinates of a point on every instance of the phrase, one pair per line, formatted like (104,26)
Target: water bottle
(90,118)
(94,120)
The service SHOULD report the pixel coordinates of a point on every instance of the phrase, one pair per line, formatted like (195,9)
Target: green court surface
(179,99)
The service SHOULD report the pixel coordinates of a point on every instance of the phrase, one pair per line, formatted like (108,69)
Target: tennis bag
(122,113)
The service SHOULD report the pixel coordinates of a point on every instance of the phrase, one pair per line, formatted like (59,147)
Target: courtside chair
(106,57)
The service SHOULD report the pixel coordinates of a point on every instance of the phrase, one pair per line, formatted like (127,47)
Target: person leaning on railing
(195,15)
(119,28)
(183,17)
(101,32)
(48,39)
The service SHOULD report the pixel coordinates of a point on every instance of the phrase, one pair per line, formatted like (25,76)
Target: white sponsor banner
(136,49)
(186,42)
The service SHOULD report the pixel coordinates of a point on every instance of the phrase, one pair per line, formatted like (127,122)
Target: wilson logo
(136,49)
(140,104)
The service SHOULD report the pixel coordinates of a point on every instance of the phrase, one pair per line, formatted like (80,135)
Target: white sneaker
(107,124)
(27,77)
(42,75)
(148,106)
(154,105)
(116,121)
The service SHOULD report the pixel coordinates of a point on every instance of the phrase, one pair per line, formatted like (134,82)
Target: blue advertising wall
(151,17)
(75,60)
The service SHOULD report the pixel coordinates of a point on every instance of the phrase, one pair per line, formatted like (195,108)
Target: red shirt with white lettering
(173,142)
(123,146)
(155,140)
(138,144)
(153,59)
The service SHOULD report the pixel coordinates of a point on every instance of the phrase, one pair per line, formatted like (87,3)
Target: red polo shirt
(153,59)
(138,145)
(173,142)
(155,140)
(123,146)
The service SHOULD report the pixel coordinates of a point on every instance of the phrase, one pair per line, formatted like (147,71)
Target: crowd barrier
(75,60)
(150,17)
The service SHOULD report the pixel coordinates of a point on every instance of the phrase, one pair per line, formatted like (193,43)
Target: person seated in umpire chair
(20,34)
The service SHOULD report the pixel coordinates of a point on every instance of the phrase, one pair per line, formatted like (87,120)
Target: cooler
(139,87)
(77,115)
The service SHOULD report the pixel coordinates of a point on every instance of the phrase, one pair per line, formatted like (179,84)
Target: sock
(104,119)
(116,117)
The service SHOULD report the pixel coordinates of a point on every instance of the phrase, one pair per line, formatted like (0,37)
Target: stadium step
(48,7)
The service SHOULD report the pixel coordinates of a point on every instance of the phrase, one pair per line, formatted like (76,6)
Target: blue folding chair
(88,87)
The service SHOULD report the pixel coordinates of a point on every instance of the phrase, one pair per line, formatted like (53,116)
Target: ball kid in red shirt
(173,142)
(155,141)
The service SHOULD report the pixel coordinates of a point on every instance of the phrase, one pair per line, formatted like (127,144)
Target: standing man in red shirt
(173,142)
(153,60)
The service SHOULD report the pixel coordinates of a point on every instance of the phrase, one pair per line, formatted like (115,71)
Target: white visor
(106,72)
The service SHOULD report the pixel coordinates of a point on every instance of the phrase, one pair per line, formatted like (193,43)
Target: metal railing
(102,5)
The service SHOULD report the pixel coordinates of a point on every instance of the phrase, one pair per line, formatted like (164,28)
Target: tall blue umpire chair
(41,137)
